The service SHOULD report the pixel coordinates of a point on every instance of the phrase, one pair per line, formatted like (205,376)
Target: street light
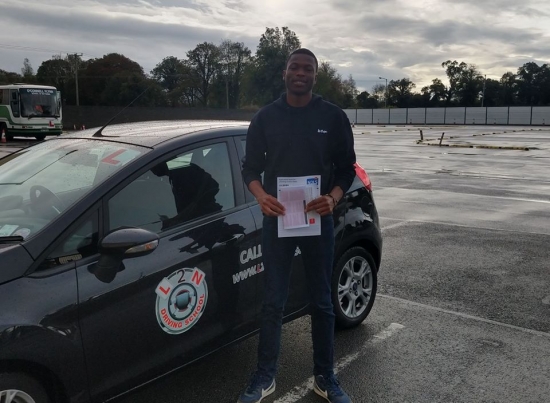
(386,92)
(483,95)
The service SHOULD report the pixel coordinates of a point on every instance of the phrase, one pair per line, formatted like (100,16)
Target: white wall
(502,115)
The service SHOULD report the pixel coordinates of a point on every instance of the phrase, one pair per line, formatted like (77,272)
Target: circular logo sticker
(181,299)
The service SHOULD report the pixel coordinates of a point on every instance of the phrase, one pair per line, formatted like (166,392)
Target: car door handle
(235,239)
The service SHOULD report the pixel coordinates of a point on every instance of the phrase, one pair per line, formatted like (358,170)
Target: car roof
(150,134)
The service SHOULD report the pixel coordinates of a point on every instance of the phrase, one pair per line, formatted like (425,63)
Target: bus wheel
(40,137)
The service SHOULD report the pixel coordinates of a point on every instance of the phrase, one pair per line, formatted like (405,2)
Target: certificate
(295,193)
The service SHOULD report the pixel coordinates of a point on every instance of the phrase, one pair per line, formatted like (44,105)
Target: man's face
(300,74)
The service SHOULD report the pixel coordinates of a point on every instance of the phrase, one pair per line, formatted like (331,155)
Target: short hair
(303,51)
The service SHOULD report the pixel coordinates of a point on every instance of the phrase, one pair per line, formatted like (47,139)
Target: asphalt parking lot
(463,310)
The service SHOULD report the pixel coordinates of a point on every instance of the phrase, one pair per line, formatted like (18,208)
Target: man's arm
(254,165)
(270,205)
(344,155)
(344,173)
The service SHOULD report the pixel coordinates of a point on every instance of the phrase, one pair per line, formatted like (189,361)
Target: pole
(386,97)
(76,56)
(386,92)
(483,95)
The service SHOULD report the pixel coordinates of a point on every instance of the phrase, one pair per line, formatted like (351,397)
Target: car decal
(181,300)
(120,157)
(251,254)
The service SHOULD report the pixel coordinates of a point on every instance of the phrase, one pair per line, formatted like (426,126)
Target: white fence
(502,115)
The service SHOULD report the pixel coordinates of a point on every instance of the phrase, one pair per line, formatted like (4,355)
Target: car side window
(78,244)
(194,184)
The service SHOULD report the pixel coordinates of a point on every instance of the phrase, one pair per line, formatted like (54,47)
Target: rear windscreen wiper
(7,239)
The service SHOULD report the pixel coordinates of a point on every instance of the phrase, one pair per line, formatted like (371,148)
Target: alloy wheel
(355,286)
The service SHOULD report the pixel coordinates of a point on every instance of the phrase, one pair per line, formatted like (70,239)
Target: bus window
(14,104)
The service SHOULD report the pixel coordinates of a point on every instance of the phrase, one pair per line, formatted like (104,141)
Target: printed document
(295,193)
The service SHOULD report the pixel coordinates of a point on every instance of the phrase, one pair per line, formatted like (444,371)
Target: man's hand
(270,205)
(322,205)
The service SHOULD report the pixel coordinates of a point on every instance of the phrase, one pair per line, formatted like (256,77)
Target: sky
(393,39)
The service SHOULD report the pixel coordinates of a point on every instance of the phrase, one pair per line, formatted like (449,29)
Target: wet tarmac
(463,311)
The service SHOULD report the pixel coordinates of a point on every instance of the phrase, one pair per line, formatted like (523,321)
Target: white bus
(30,111)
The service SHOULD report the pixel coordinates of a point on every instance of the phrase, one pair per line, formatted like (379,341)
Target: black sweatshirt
(312,140)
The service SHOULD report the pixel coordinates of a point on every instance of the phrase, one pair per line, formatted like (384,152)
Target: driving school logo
(181,299)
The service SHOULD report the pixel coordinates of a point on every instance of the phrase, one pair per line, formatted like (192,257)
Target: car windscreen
(39,183)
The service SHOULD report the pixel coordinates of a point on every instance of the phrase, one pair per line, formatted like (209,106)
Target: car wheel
(20,388)
(354,282)
(40,137)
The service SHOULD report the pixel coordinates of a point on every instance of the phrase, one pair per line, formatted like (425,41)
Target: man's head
(300,73)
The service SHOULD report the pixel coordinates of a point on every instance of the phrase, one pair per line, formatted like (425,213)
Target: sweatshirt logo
(321,131)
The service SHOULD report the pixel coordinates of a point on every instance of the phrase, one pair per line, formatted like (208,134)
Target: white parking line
(465,316)
(300,391)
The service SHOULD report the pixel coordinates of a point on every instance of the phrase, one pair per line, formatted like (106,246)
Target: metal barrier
(500,115)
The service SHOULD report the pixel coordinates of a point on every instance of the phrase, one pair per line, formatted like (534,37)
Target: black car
(128,253)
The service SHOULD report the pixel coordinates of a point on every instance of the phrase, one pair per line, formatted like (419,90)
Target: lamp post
(386,92)
(483,94)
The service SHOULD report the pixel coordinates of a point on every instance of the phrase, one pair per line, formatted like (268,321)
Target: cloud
(387,38)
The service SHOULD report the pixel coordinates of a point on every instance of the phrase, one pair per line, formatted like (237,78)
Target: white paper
(295,199)
(7,230)
(294,193)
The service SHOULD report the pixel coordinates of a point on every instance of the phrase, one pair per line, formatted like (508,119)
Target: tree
(205,60)
(436,93)
(55,72)
(329,84)
(349,90)
(365,100)
(465,83)
(122,89)
(533,84)
(27,71)
(234,59)
(379,92)
(266,83)
(493,93)
(174,76)
(508,88)
(7,77)
(400,92)
(103,78)
(333,89)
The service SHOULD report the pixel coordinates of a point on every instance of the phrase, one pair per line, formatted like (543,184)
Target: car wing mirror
(121,244)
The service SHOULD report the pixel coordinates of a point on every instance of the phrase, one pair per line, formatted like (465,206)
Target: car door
(167,308)
(298,296)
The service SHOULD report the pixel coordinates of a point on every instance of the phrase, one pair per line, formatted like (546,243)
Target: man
(298,135)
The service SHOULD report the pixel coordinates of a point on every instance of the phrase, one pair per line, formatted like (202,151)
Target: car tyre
(40,137)
(20,388)
(354,283)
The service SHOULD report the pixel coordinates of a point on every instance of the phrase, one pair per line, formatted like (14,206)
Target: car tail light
(362,174)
